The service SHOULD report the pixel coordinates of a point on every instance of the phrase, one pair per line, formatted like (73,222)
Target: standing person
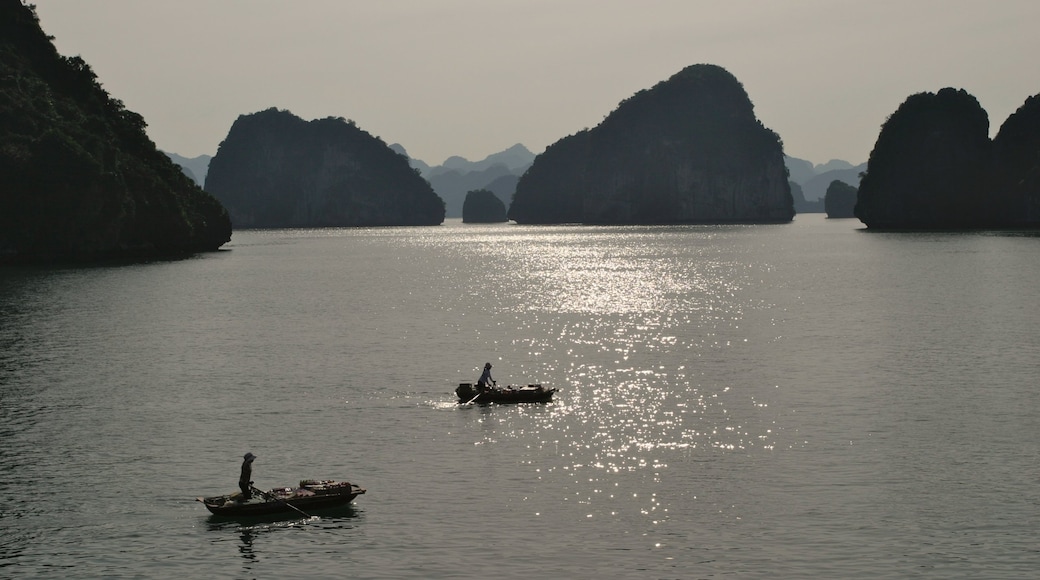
(247,474)
(485,377)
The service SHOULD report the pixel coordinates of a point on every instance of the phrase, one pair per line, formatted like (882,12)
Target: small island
(483,207)
(840,200)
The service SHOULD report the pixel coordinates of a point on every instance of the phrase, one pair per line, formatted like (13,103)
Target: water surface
(790,401)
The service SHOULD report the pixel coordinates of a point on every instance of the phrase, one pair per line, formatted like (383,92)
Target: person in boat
(485,378)
(244,482)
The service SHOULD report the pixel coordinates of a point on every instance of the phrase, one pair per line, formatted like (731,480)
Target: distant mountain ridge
(516,158)
(457,176)
(197,167)
(814,179)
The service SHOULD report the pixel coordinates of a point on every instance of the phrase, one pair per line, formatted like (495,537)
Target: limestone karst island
(483,206)
(80,180)
(934,167)
(275,170)
(688,150)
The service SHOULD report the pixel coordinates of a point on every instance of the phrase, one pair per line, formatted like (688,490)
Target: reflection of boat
(267,522)
(312,494)
(469,393)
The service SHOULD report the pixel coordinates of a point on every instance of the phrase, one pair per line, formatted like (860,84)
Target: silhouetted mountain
(452,185)
(276,170)
(418,164)
(801,205)
(832,165)
(799,170)
(517,159)
(1016,151)
(840,200)
(483,206)
(814,179)
(197,166)
(80,178)
(688,150)
(934,167)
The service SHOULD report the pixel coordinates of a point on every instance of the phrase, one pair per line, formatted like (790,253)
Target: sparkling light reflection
(640,327)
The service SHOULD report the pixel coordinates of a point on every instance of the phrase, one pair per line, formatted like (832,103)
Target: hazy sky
(473,77)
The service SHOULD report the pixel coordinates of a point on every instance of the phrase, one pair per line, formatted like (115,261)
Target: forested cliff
(276,170)
(688,150)
(79,178)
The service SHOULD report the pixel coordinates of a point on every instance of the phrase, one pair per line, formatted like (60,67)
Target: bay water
(809,400)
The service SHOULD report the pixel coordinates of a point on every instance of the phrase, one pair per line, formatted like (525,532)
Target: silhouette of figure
(485,377)
(247,474)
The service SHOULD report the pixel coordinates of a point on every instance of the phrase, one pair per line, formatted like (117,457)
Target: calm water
(793,401)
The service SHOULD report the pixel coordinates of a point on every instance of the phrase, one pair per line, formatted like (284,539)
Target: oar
(474,398)
(276,498)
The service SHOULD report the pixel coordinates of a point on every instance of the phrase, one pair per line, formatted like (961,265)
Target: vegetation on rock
(688,150)
(276,170)
(79,178)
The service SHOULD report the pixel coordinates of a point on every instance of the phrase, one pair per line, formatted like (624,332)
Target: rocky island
(840,200)
(275,170)
(79,178)
(688,150)
(934,167)
(483,207)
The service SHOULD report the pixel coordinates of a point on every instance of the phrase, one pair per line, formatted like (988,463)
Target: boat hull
(311,495)
(469,393)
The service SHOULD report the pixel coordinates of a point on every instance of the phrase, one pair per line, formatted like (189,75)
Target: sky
(474,77)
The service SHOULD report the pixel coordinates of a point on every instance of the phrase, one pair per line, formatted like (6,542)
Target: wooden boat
(469,393)
(312,494)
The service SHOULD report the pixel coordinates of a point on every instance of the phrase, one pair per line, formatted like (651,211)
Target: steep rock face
(483,206)
(1016,151)
(840,200)
(688,150)
(79,178)
(276,170)
(930,167)
(553,189)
